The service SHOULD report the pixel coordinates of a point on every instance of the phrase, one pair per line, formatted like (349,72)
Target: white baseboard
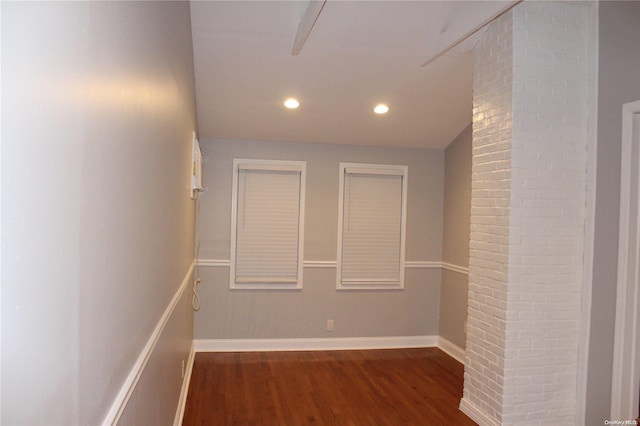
(314,344)
(129,385)
(475,414)
(451,349)
(182,403)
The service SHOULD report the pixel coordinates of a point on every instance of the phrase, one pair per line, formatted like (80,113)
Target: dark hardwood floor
(372,387)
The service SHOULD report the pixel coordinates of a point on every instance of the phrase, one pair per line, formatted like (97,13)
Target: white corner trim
(319,344)
(129,385)
(454,351)
(626,348)
(455,268)
(476,414)
(182,403)
(590,213)
(421,264)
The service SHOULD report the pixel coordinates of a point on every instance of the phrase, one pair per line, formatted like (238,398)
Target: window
(267,224)
(371,226)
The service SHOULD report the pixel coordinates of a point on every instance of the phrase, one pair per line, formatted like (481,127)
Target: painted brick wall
(490,209)
(528,212)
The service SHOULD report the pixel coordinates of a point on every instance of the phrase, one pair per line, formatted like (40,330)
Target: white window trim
(382,169)
(293,166)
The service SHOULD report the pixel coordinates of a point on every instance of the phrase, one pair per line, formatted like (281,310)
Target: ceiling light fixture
(381,109)
(292,103)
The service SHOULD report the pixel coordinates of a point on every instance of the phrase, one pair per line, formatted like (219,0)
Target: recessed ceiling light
(381,109)
(292,103)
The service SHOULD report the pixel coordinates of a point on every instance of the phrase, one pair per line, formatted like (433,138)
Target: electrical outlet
(329,325)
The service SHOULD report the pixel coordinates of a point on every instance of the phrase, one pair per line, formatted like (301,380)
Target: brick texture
(527,215)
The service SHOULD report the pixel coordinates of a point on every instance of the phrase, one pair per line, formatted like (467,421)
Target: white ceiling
(358,54)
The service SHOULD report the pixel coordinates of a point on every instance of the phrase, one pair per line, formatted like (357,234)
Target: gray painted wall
(457,200)
(455,240)
(282,314)
(618,83)
(98,109)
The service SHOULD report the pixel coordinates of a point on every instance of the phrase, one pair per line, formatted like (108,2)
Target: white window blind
(267,224)
(372,215)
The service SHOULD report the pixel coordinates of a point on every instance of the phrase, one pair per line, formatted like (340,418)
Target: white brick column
(527,216)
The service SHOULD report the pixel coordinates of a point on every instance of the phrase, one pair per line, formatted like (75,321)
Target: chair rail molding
(129,385)
(324,264)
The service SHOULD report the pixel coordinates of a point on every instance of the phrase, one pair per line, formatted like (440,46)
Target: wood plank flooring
(373,387)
